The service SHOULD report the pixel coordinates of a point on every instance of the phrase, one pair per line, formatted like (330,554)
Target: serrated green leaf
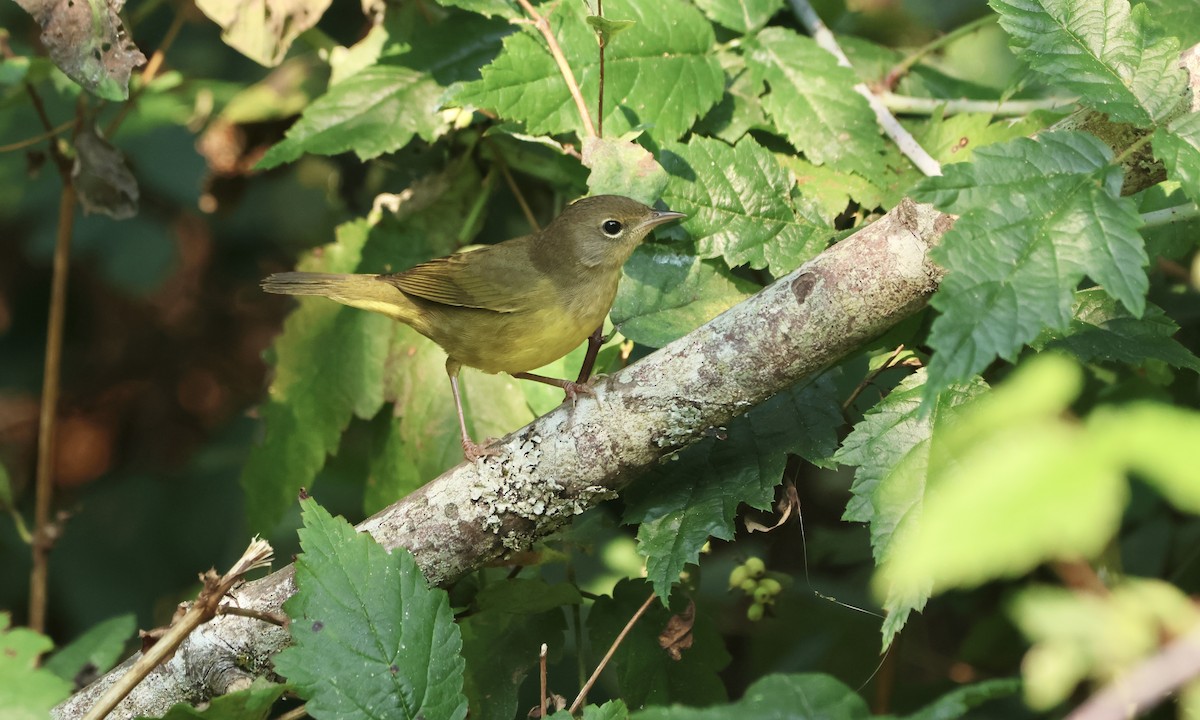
(622,167)
(828,189)
(26,691)
(956,138)
(738,201)
(659,74)
(96,651)
(329,367)
(1102,330)
(742,16)
(778,697)
(252,703)
(1016,484)
(501,640)
(644,673)
(1178,146)
(381,108)
(666,293)
(1108,55)
(679,506)
(890,448)
(611,710)
(370,638)
(1156,442)
(813,104)
(1036,216)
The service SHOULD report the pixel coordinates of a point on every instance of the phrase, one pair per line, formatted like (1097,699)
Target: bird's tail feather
(361,291)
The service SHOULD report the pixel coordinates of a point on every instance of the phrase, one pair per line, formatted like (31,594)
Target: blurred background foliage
(167,329)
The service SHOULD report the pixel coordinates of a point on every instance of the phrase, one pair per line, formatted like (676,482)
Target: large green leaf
(666,293)
(328,367)
(741,16)
(370,638)
(1100,50)
(251,703)
(739,204)
(813,104)
(660,73)
(380,108)
(1036,216)
(96,650)
(890,448)
(679,506)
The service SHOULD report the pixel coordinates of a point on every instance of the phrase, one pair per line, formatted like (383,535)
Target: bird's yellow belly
(519,342)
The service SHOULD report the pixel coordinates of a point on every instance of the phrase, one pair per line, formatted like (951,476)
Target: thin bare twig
(870,378)
(45,531)
(542,672)
(1148,683)
(934,45)
(556,52)
(46,135)
(149,71)
(516,191)
(600,92)
(903,139)
(273,618)
(258,554)
(608,655)
(1007,108)
(295,713)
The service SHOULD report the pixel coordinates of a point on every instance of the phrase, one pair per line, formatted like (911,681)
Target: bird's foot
(575,389)
(473,451)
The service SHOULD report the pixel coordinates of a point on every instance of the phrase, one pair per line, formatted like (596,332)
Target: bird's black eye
(612,228)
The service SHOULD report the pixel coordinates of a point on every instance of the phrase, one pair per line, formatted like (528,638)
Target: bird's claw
(474,451)
(575,389)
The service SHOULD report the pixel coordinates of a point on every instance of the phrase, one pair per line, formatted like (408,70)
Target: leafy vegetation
(991,511)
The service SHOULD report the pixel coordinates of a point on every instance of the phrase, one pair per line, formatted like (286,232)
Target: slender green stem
(927,106)
(902,67)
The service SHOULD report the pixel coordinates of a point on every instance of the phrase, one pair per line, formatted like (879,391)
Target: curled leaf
(88,42)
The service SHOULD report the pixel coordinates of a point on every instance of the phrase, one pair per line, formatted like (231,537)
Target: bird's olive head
(604,229)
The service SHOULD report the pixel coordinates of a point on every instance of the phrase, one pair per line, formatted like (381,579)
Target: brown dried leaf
(88,42)
(677,636)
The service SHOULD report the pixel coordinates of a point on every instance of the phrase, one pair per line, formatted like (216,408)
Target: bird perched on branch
(509,307)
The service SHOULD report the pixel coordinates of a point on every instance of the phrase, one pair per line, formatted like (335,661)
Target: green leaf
(621,167)
(1102,330)
(666,293)
(1155,441)
(890,448)
(95,651)
(1036,216)
(740,108)
(252,703)
(1011,483)
(381,108)
(738,201)
(778,697)
(960,701)
(1177,18)
(644,673)
(611,710)
(26,692)
(741,16)
(1108,55)
(487,8)
(606,28)
(502,639)
(328,367)
(680,505)
(659,74)
(1178,146)
(813,104)
(370,638)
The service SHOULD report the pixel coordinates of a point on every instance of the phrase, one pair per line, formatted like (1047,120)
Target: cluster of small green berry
(752,578)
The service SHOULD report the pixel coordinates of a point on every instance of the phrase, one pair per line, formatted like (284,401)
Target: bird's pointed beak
(659,217)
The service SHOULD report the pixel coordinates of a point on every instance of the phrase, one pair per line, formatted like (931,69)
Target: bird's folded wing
(478,279)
